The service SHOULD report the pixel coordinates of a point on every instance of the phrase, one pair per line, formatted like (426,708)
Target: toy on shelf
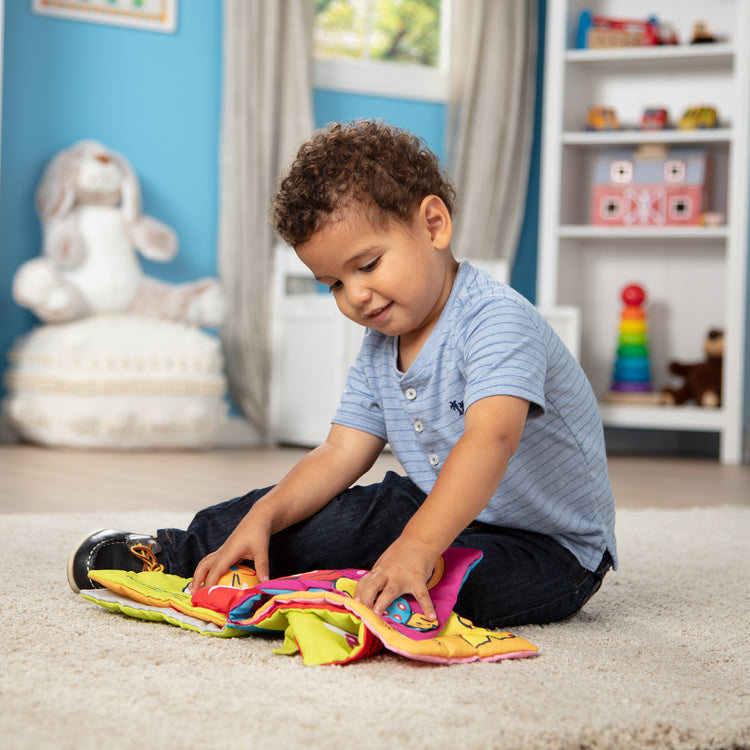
(702,380)
(696,118)
(701,34)
(601,118)
(652,185)
(667,34)
(598,32)
(711,219)
(655,118)
(631,377)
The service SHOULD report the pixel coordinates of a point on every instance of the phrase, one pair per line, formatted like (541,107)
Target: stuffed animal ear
(56,193)
(131,190)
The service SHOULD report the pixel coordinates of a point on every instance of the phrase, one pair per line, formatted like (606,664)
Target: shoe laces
(146,555)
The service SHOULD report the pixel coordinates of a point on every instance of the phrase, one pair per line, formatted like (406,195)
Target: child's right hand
(249,541)
(322,474)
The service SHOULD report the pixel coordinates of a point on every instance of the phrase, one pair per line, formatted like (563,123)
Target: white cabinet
(696,278)
(313,345)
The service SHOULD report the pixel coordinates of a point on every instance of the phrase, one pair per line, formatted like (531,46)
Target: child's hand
(249,541)
(404,568)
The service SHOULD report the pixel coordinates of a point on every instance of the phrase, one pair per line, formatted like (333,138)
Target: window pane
(404,31)
(340,28)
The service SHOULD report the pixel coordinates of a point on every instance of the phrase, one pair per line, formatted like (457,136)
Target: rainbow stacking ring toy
(632,371)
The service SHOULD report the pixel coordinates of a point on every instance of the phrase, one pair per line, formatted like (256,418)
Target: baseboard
(237,432)
(7,433)
(677,443)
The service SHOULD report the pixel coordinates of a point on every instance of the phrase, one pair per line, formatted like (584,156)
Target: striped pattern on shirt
(490,341)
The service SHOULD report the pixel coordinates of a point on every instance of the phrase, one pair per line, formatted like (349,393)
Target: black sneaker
(108,549)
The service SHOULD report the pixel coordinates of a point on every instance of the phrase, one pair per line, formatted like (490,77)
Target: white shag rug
(660,658)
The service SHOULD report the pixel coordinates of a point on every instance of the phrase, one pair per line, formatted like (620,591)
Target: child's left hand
(404,568)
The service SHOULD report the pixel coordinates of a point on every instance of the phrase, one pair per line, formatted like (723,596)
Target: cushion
(116,381)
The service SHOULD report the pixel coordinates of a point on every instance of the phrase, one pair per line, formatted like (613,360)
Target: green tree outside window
(403,31)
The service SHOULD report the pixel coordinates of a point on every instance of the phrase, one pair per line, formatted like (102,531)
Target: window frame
(388,79)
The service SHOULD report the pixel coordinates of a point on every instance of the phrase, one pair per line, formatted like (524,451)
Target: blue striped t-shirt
(490,341)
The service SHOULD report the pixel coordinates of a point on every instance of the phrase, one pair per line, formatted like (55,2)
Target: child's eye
(370,266)
(333,287)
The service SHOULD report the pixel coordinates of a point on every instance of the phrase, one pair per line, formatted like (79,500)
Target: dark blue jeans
(523,577)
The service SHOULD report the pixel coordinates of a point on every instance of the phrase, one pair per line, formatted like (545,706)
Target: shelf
(624,137)
(719,54)
(663,417)
(696,277)
(588,232)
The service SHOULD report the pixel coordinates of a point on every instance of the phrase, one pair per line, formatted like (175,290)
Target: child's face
(395,280)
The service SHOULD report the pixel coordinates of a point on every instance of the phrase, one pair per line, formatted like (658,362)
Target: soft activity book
(315,612)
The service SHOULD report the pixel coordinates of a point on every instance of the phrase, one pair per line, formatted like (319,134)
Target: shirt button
(418,426)
(410,393)
(434,460)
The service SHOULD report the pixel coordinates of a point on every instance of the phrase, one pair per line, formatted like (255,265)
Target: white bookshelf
(696,278)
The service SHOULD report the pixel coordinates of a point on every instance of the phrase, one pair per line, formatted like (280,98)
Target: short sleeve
(359,407)
(503,352)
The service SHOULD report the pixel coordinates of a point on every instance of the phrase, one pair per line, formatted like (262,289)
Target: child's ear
(438,221)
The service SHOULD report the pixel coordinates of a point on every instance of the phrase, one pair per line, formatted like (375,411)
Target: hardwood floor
(41,480)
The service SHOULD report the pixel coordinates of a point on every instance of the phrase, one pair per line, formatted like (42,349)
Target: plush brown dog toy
(702,379)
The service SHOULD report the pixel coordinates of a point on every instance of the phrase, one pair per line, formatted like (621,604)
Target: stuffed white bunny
(89,204)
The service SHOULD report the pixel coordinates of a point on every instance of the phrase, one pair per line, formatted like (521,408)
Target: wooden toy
(699,117)
(655,187)
(701,34)
(711,219)
(597,31)
(631,375)
(632,370)
(601,118)
(654,118)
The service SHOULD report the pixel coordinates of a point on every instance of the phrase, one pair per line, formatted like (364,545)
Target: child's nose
(357,294)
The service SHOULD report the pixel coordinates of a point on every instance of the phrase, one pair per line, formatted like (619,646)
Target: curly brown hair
(384,169)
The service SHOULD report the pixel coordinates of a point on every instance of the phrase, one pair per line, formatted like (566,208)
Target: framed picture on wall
(149,15)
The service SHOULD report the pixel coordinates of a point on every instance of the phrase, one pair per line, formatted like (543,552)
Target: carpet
(660,658)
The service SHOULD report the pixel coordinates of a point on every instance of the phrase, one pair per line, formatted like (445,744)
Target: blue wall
(427,119)
(156,98)
(153,97)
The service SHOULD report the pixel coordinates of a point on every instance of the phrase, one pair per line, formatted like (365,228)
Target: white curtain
(491,122)
(267,113)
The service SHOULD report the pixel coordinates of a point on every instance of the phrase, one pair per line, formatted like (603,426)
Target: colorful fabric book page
(316,613)
(161,597)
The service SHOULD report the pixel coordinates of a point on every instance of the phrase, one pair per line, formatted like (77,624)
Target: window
(383,47)
(404,31)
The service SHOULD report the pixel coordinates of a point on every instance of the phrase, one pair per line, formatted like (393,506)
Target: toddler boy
(490,416)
